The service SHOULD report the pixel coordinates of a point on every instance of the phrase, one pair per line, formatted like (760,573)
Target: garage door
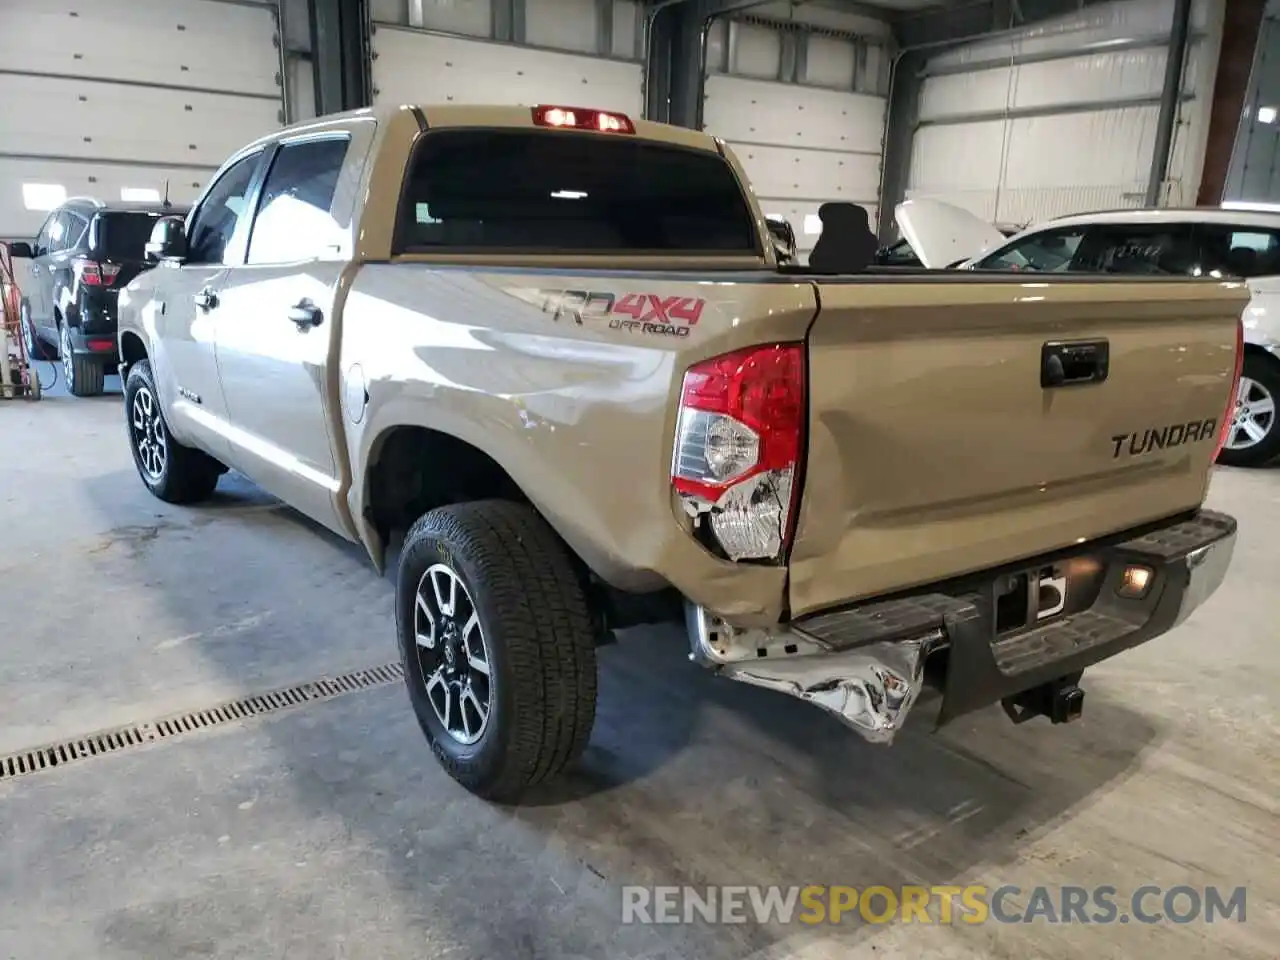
(805,143)
(1061,118)
(114,98)
(436,63)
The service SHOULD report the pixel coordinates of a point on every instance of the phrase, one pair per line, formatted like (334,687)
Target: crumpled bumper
(867,664)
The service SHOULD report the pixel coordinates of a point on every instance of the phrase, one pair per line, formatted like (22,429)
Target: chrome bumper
(866,665)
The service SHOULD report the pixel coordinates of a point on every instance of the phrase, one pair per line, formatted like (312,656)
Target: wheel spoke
(1262,406)
(481,711)
(477,660)
(444,603)
(1255,430)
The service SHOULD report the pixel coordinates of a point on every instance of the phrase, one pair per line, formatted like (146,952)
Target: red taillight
(582,118)
(1229,415)
(739,438)
(95,274)
(100,346)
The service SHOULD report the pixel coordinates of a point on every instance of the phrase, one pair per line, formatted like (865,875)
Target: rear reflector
(582,118)
(738,441)
(1229,416)
(100,346)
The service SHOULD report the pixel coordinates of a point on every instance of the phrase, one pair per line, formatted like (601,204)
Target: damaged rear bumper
(869,663)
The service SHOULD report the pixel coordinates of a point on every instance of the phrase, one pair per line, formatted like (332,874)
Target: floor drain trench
(63,752)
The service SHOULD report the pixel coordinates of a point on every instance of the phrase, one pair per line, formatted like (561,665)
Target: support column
(340,47)
(900,129)
(1170,100)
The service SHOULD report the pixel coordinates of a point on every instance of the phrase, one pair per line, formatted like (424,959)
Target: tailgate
(935,451)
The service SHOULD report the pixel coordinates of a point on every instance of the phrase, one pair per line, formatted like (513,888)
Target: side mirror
(168,240)
(21,250)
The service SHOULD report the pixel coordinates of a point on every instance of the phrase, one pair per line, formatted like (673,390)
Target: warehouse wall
(1070,126)
(116,98)
(575,52)
(799,93)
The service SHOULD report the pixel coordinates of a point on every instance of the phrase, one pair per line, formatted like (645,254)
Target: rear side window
(121,236)
(1240,251)
(1159,249)
(559,192)
(294,220)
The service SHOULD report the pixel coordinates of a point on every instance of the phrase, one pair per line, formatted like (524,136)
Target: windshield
(549,191)
(121,235)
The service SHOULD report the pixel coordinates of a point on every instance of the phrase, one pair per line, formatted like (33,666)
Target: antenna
(165,202)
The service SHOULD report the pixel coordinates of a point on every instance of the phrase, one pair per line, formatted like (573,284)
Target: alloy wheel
(452,653)
(28,336)
(148,433)
(1254,417)
(68,363)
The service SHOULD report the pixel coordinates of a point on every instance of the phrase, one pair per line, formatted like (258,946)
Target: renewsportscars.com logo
(974,904)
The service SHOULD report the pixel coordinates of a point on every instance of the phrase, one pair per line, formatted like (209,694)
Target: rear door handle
(206,299)
(306,315)
(1070,363)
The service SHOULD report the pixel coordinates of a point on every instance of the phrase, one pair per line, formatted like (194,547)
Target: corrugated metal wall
(1254,174)
(1061,117)
(575,52)
(803,104)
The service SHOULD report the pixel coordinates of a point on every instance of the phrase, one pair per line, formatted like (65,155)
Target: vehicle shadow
(689,779)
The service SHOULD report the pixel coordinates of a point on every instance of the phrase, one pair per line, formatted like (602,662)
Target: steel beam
(1170,99)
(1047,110)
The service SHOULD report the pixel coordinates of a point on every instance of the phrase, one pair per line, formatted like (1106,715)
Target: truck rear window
(561,192)
(121,235)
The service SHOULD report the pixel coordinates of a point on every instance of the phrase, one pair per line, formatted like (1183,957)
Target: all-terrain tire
(184,475)
(1264,371)
(538,634)
(85,376)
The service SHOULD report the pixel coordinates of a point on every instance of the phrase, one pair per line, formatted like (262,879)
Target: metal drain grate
(137,734)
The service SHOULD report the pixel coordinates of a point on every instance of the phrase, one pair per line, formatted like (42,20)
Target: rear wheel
(1252,436)
(497,644)
(85,376)
(171,471)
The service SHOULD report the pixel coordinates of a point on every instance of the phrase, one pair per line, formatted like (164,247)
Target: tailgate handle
(1073,362)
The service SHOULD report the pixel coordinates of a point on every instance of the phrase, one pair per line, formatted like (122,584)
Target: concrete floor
(328,831)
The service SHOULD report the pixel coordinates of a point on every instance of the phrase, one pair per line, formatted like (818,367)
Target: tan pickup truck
(554,346)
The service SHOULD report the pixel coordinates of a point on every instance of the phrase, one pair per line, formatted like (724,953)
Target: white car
(1211,242)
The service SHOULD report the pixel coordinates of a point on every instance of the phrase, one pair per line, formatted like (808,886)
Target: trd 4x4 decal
(645,313)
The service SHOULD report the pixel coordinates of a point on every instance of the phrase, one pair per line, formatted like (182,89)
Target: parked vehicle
(555,345)
(900,253)
(1212,241)
(85,253)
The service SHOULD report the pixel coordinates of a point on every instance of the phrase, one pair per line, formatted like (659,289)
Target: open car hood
(942,233)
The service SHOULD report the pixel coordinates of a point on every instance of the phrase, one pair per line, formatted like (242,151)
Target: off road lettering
(576,305)
(1162,438)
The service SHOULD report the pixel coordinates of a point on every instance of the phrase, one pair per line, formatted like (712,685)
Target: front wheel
(1252,437)
(497,644)
(171,471)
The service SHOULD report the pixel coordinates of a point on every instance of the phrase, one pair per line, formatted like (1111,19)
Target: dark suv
(84,254)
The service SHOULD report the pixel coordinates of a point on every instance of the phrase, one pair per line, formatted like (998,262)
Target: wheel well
(131,351)
(1253,350)
(416,469)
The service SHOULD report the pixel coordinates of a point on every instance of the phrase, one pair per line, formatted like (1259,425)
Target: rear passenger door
(276,333)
